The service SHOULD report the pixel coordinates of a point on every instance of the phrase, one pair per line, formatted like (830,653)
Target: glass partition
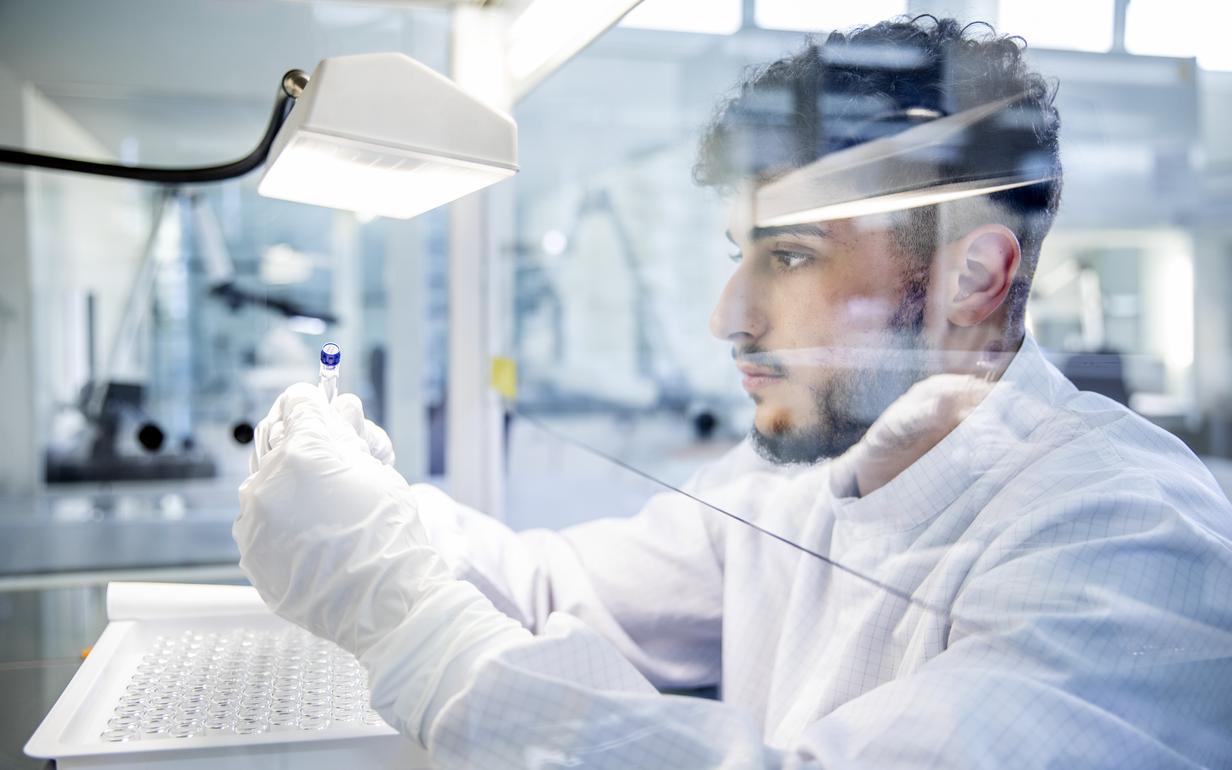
(913,331)
(871,378)
(620,255)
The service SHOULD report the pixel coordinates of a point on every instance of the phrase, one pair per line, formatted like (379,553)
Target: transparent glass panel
(871,397)
(914,330)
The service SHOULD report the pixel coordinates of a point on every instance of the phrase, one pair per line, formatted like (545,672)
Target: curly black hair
(873,81)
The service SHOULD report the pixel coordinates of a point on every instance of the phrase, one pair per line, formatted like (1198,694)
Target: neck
(983,351)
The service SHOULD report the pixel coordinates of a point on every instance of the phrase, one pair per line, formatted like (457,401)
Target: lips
(749,370)
(758,377)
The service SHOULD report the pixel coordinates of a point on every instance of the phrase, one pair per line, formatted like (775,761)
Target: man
(997,570)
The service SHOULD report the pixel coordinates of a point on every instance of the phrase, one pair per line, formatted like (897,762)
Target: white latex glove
(271,431)
(331,539)
(906,430)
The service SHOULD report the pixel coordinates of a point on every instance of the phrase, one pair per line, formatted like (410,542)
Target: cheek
(838,310)
(865,314)
(836,329)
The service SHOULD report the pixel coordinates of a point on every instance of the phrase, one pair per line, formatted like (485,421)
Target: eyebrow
(762,233)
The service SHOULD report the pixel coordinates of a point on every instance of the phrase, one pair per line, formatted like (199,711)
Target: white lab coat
(1083,555)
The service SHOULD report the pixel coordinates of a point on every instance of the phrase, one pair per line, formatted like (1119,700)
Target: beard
(854,397)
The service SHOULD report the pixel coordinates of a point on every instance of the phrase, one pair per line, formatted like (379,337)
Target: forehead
(742,227)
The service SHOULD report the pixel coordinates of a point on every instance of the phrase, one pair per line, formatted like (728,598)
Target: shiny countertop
(83,528)
(42,636)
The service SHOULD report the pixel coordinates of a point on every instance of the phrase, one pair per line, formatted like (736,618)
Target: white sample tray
(206,677)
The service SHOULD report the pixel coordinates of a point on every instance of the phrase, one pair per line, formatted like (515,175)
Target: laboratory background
(539,349)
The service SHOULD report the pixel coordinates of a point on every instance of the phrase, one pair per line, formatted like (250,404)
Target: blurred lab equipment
(114,406)
(335,150)
(117,406)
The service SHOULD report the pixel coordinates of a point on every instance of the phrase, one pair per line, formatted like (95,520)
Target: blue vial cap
(331,354)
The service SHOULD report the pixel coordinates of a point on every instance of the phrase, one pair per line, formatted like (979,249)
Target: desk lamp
(374,133)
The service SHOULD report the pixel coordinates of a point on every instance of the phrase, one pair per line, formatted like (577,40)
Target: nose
(738,314)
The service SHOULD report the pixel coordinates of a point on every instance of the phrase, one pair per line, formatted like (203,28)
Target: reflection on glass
(889,354)
(931,513)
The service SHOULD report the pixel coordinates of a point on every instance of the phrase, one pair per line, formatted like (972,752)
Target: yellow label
(505,377)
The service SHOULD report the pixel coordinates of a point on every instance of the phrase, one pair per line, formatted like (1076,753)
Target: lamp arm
(292,86)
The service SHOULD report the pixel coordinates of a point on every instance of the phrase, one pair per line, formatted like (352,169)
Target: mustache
(756,356)
(908,359)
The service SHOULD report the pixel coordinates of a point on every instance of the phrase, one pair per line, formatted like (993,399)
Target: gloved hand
(330,537)
(906,430)
(270,431)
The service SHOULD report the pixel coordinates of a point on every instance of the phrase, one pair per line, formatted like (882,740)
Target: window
(714,17)
(1180,28)
(1085,26)
(792,14)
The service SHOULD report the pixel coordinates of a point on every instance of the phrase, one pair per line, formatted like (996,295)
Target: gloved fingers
(378,442)
(261,438)
(910,427)
(305,412)
(277,433)
(301,394)
(351,410)
(309,419)
(271,431)
(302,413)
(950,397)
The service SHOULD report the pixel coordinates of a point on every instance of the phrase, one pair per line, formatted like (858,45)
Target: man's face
(826,324)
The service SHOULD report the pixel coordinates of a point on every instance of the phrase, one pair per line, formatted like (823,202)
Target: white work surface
(146,618)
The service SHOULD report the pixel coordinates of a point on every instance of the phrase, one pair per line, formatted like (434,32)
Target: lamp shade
(382,134)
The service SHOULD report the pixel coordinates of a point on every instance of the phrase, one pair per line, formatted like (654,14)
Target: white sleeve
(1109,652)
(651,584)
(567,698)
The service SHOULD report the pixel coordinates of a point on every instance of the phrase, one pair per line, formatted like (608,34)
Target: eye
(735,256)
(791,259)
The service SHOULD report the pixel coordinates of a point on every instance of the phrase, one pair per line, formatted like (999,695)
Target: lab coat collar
(1022,398)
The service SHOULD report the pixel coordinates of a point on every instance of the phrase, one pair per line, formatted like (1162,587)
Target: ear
(985,263)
